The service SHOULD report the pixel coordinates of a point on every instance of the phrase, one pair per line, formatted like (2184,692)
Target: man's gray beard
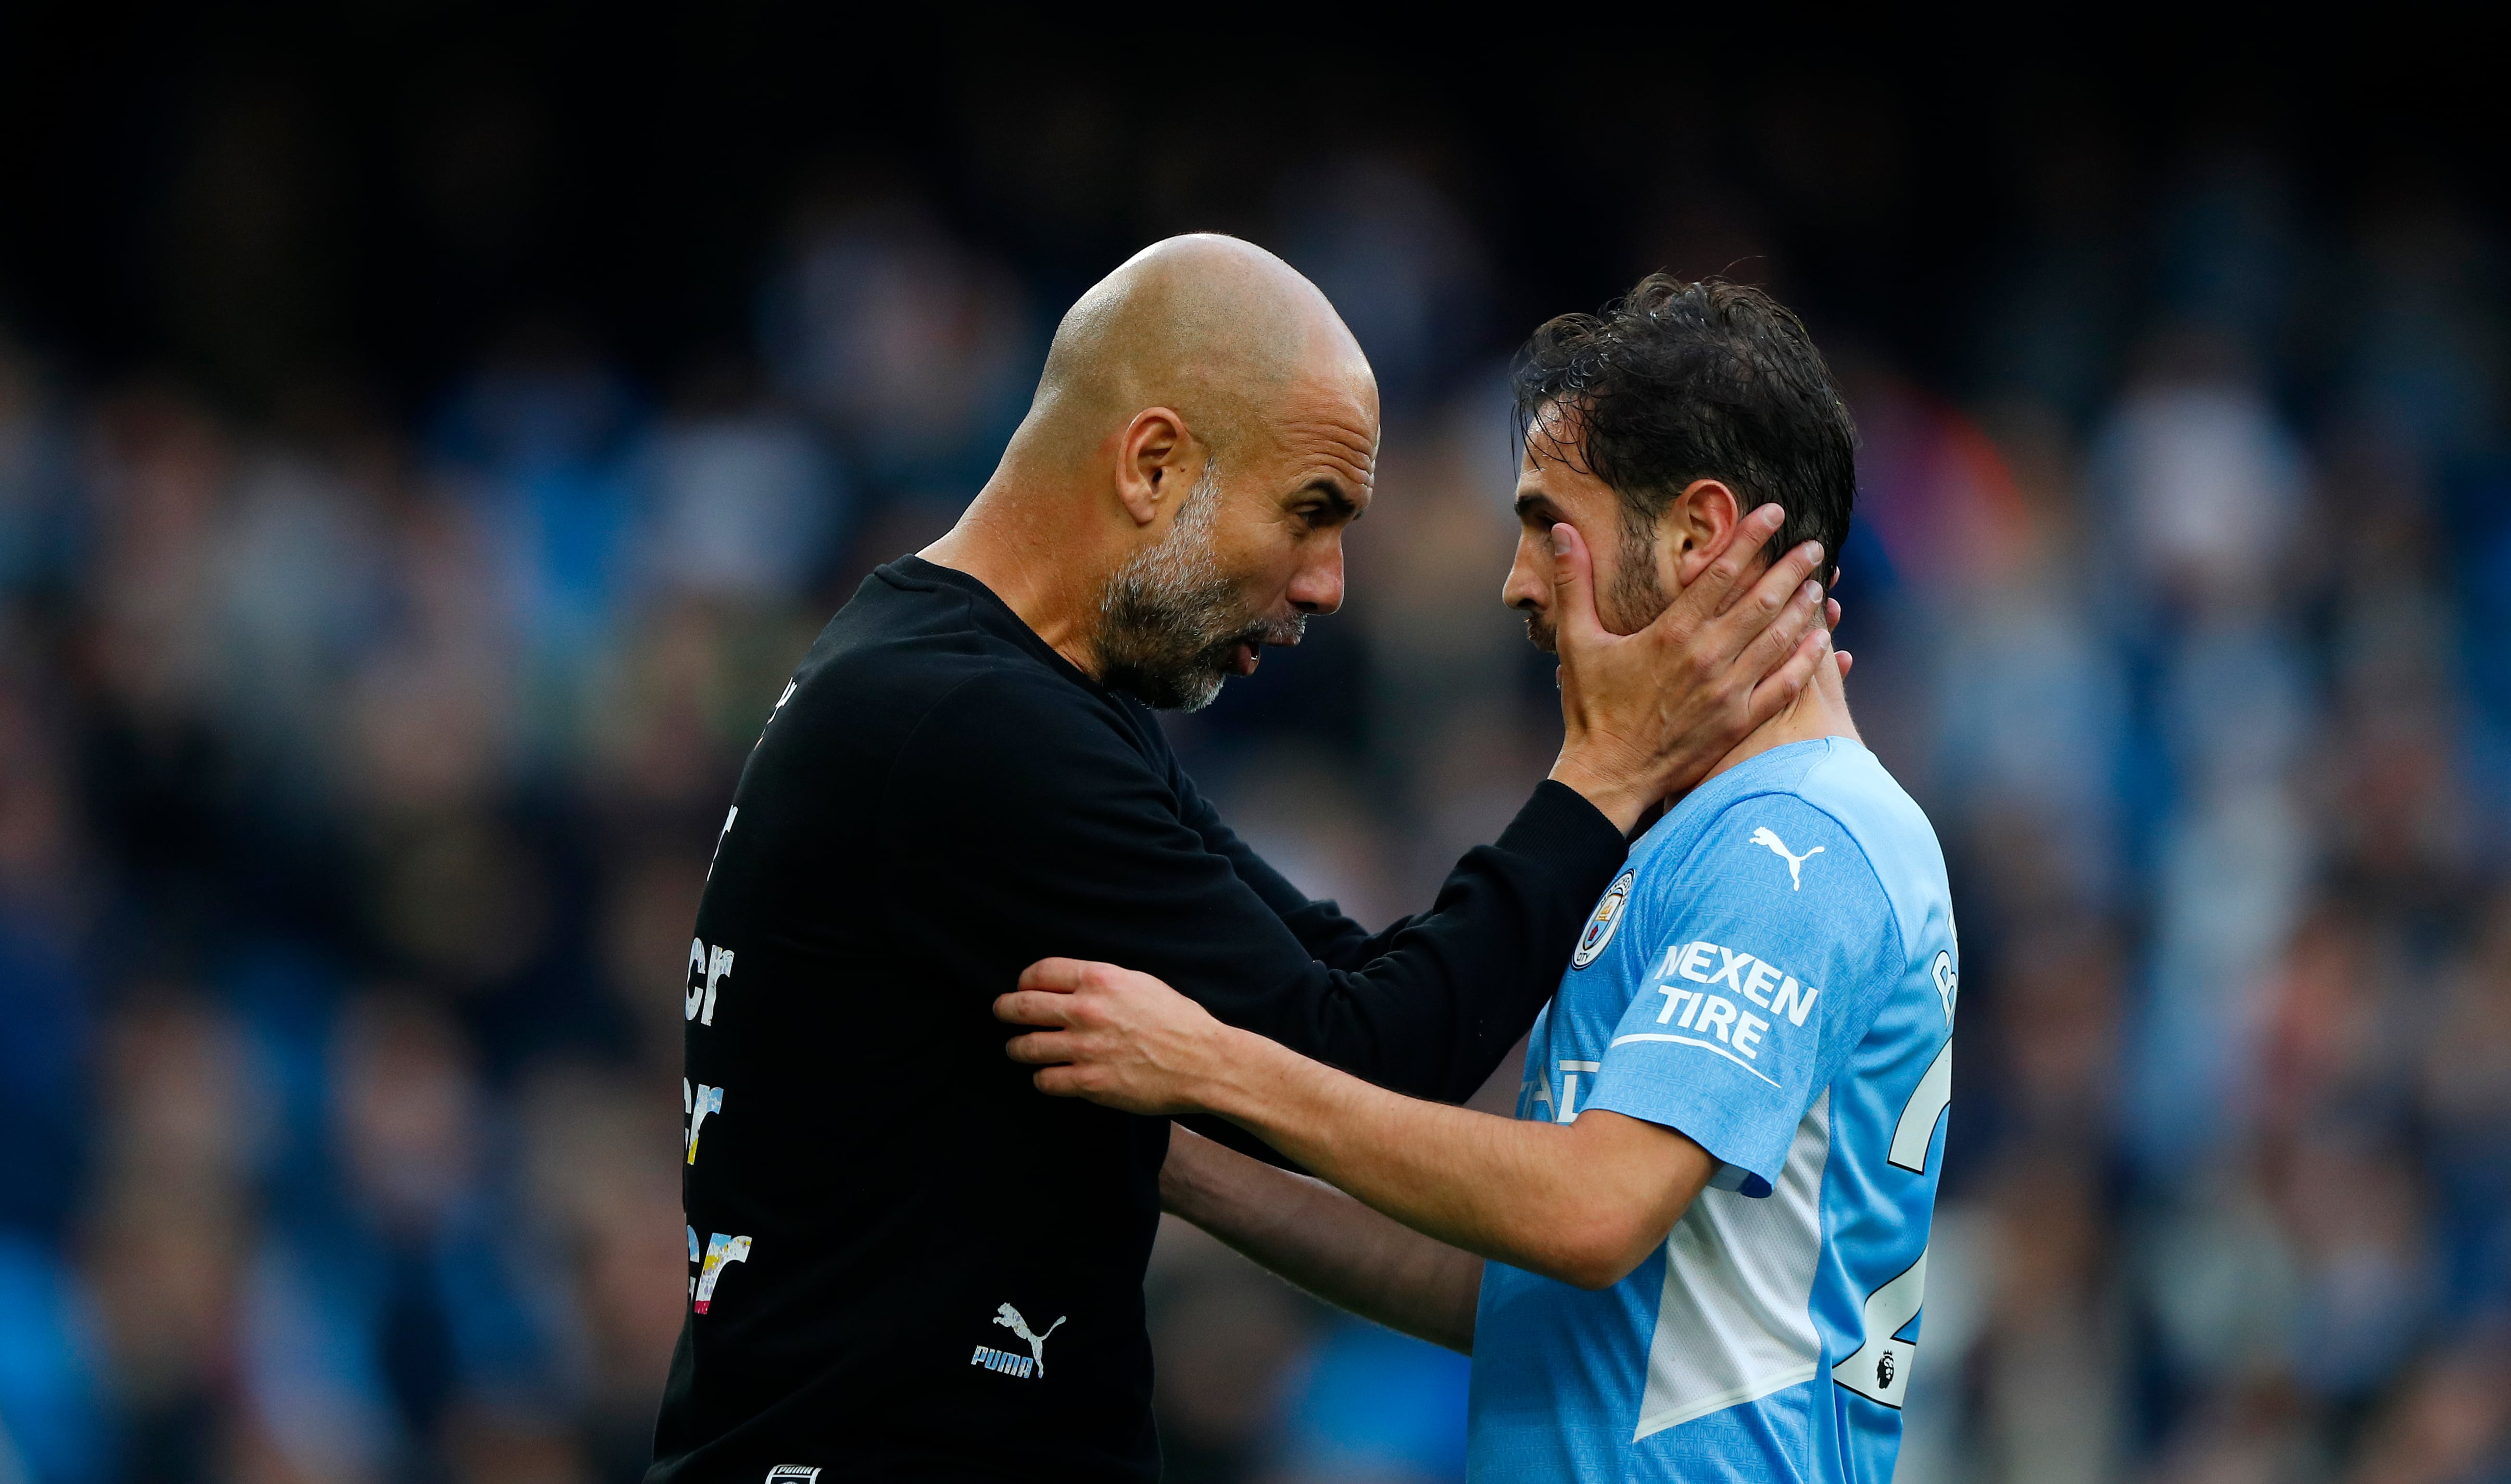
(1171,623)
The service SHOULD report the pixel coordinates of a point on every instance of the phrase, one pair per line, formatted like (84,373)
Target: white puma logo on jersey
(1779,847)
(1010,1318)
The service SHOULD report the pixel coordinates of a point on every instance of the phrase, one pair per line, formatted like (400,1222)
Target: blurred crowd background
(426,445)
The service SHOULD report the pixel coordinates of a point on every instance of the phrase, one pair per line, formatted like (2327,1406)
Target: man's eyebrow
(1341,503)
(1529,504)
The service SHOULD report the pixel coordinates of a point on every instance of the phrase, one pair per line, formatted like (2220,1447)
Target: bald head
(1174,503)
(1219,329)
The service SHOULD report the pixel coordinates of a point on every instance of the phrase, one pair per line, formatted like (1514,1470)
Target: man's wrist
(1615,797)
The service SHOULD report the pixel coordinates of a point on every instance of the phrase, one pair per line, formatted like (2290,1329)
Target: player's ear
(1156,461)
(1695,526)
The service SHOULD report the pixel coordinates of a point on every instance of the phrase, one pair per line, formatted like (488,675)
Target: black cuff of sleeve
(1558,828)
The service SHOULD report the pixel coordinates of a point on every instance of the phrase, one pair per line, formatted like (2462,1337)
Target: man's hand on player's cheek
(1114,1036)
(1648,715)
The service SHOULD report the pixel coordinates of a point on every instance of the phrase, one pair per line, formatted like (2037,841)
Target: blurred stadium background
(425,444)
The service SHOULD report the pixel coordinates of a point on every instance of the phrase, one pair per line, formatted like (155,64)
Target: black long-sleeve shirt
(882,1210)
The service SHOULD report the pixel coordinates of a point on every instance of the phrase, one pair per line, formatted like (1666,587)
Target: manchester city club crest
(1601,926)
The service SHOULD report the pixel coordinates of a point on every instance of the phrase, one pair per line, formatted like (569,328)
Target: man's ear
(1697,525)
(1156,457)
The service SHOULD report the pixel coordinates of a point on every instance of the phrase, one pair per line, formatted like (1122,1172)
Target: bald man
(904,1263)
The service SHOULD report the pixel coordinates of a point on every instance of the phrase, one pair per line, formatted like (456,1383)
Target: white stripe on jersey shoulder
(1734,1322)
(1706,1045)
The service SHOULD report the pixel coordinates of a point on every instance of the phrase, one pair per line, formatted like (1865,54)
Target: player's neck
(1820,710)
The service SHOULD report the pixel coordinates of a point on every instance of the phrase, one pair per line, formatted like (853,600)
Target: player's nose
(1530,577)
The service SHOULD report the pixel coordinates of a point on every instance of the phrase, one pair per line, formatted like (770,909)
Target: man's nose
(1317,587)
(1529,579)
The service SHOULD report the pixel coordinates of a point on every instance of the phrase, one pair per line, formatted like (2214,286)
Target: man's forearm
(1580,1202)
(1324,1242)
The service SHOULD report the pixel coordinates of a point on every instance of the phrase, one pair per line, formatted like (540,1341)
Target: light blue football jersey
(1774,977)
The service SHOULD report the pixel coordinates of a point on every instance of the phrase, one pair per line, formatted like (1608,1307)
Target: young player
(1699,1250)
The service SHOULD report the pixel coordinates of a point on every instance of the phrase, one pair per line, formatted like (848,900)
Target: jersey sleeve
(1057,837)
(1768,954)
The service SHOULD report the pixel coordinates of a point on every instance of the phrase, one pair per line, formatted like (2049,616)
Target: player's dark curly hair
(1679,381)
